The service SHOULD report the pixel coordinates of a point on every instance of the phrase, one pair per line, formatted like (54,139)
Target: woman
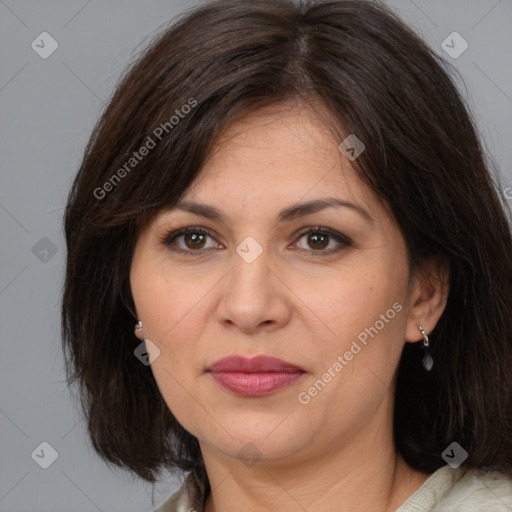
(290,203)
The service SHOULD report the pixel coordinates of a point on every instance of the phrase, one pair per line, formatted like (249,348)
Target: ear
(428,297)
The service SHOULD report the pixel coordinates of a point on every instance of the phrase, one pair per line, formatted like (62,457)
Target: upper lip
(253,365)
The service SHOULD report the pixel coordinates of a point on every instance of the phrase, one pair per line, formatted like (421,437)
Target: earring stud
(138,326)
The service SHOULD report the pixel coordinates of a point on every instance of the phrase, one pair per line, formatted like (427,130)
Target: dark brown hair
(423,159)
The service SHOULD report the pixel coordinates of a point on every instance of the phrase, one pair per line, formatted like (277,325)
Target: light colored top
(446,490)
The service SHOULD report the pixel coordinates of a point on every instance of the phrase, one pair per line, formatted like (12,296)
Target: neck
(366,474)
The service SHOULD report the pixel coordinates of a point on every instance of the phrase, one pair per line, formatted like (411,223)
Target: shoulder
(177,502)
(462,490)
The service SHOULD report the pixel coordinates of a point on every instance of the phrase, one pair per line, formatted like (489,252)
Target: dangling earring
(428,362)
(138,327)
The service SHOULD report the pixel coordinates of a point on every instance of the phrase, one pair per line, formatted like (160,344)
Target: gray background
(48,108)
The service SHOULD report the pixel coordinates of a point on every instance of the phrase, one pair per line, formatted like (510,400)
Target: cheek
(355,367)
(167,299)
(169,310)
(363,319)
(353,298)
(171,305)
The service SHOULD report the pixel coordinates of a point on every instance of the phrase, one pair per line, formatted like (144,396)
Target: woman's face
(334,303)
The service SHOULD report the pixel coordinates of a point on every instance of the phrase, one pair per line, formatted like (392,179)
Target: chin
(256,440)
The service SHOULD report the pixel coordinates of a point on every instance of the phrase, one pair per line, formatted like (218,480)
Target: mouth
(253,377)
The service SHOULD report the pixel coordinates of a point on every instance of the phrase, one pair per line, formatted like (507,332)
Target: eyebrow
(288,214)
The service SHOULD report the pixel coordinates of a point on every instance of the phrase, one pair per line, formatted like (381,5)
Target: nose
(254,298)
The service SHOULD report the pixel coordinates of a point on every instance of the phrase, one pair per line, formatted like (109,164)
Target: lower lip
(255,384)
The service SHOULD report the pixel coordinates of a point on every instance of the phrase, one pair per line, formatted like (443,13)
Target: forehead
(283,151)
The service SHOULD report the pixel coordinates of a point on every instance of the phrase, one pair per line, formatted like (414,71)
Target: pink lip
(257,376)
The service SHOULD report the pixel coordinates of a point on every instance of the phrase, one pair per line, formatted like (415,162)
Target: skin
(303,308)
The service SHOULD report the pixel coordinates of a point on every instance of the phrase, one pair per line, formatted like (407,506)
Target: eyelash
(169,238)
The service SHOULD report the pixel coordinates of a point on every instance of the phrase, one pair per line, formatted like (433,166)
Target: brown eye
(317,239)
(194,240)
(189,240)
